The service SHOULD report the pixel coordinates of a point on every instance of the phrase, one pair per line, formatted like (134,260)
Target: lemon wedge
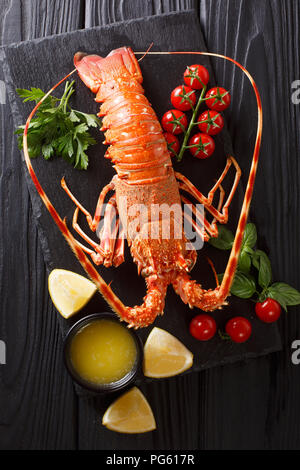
(130,414)
(165,355)
(69,291)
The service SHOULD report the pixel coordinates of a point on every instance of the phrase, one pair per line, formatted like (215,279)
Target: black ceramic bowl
(113,386)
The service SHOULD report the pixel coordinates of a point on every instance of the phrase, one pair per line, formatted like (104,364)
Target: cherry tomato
(203,327)
(174,121)
(204,145)
(173,143)
(268,311)
(196,76)
(219,98)
(183,97)
(239,329)
(210,122)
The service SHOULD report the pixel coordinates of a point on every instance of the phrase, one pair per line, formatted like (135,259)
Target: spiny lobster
(145,175)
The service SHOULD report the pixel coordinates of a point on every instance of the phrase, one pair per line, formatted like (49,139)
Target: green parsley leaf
(57,129)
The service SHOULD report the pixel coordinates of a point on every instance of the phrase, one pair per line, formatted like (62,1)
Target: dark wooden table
(253,405)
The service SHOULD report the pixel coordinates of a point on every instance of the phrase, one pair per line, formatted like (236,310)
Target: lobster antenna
(89,268)
(145,53)
(237,243)
(213,270)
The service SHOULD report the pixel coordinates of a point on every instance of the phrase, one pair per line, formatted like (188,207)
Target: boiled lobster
(144,175)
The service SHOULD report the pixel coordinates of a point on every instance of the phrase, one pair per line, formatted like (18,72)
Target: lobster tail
(138,148)
(88,69)
(95,70)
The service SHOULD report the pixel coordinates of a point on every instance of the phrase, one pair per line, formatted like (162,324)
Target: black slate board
(42,63)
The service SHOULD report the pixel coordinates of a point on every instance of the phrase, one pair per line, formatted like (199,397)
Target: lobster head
(103,73)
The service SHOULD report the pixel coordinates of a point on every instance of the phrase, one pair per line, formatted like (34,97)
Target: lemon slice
(69,291)
(165,355)
(130,414)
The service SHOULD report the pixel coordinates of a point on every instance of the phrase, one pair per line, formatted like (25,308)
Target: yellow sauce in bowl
(102,352)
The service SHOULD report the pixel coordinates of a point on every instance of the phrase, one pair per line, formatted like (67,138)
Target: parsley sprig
(57,129)
(253,276)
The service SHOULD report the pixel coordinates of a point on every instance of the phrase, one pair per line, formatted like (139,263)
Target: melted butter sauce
(103,352)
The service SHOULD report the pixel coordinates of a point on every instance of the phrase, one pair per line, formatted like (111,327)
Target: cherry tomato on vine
(201,145)
(173,143)
(218,98)
(196,76)
(239,329)
(174,121)
(268,311)
(210,122)
(203,327)
(183,97)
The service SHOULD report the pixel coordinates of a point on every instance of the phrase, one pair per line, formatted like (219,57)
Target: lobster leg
(208,229)
(111,248)
(219,216)
(202,233)
(92,221)
(192,293)
(221,200)
(109,233)
(153,305)
(230,161)
(95,255)
(118,257)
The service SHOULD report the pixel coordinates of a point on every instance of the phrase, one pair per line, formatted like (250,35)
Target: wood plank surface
(264,36)
(38,405)
(241,406)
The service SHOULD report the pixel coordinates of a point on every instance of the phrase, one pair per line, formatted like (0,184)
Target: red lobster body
(145,176)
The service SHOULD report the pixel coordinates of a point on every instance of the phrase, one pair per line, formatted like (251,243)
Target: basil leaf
(244,263)
(265,270)
(224,240)
(287,294)
(247,249)
(243,285)
(255,260)
(262,263)
(250,236)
